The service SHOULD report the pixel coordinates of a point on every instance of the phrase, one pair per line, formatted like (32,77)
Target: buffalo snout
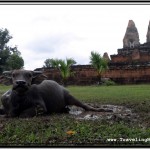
(20,86)
(21,82)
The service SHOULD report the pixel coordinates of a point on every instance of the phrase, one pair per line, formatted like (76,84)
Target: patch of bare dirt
(119,113)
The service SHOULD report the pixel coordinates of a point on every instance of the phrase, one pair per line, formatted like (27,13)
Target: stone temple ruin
(130,66)
(132,49)
(132,63)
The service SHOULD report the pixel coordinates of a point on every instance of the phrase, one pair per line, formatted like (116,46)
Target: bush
(109,82)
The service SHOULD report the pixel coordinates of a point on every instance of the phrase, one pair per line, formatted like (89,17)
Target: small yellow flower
(70,132)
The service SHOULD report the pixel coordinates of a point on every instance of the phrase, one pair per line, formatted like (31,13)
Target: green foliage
(15,62)
(51,63)
(99,63)
(64,67)
(55,63)
(7,53)
(4,55)
(109,82)
(4,39)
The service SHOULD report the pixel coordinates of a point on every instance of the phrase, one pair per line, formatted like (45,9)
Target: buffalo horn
(7,72)
(37,72)
(44,76)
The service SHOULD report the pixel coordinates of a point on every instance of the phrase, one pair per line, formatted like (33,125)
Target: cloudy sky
(72,31)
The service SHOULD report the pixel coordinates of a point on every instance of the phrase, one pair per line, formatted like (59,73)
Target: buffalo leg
(32,111)
(2,111)
(73,101)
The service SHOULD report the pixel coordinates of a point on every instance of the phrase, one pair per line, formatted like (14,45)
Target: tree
(4,55)
(6,51)
(4,38)
(51,63)
(15,62)
(64,67)
(47,63)
(99,63)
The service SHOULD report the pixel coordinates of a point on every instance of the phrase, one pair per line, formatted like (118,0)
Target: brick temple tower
(132,63)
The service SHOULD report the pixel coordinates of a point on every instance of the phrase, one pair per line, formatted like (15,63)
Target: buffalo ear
(36,73)
(7,74)
(35,79)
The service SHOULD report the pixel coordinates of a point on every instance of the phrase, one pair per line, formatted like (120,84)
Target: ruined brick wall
(129,75)
(120,58)
(87,75)
(145,57)
(135,56)
(82,75)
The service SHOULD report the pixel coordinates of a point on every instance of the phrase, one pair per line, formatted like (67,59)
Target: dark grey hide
(28,100)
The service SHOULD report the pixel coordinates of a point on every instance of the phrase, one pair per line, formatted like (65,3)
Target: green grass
(113,94)
(136,96)
(52,130)
(4,88)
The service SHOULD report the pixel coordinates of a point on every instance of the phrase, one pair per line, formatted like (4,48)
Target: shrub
(109,82)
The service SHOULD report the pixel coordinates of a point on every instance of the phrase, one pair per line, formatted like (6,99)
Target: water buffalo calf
(28,100)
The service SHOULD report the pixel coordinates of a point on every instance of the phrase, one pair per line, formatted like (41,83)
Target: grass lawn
(130,95)
(66,130)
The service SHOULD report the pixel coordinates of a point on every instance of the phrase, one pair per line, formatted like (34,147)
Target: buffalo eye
(29,75)
(13,75)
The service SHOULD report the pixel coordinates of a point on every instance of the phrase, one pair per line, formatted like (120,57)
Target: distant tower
(105,55)
(131,38)
(148,33)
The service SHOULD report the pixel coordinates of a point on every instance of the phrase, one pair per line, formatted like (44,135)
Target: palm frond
(54,62)
(70,62)
(98,62)
(63,66)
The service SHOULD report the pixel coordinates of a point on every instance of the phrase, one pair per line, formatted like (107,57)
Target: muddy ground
(119,113)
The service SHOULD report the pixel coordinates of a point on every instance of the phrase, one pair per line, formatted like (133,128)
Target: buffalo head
(21,79)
